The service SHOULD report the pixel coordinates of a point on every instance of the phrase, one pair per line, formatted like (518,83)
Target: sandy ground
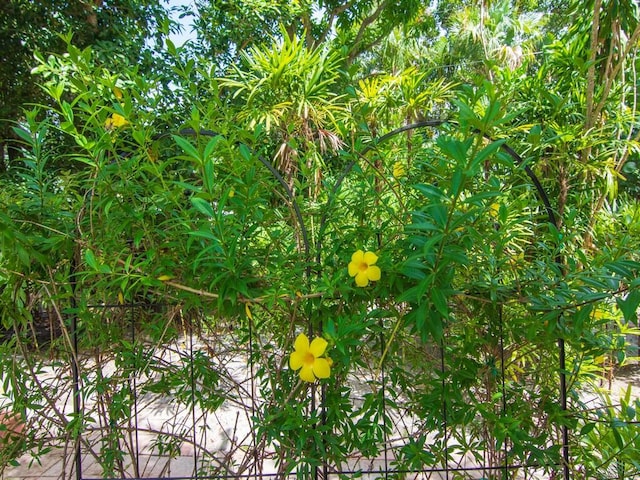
(172,441)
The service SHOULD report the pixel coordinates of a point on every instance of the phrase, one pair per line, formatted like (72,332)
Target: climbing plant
(368,266)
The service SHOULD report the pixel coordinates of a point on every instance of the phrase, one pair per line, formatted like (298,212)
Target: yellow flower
(115,121)
(399,170)
(362,266)
(308,358)
(494,210)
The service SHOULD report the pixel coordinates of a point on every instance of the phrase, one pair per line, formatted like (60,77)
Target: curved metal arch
(435,123)
(551,217)
(432,123)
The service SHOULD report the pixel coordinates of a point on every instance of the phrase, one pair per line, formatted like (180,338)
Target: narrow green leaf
(210,147)
(436,325)
(617,437)
(440,302)
(188,148)
(23,134)
(90,258)
(629,305)
(482,155)
(429,191)
(245,152)
(456,182)
(587,428)
(202,206)
(209,175)
(171,47)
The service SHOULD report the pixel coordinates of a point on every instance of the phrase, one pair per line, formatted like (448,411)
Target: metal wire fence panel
(455,374)
(175,390)
(184,401)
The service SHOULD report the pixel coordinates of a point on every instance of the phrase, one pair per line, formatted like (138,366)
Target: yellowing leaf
(164,278)
(494,210)
(399,170)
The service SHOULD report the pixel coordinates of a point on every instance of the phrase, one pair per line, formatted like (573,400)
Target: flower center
(363,266)
(309,358)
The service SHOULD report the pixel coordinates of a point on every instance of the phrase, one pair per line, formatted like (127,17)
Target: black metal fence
(187,423)
(181,426)
(155,389)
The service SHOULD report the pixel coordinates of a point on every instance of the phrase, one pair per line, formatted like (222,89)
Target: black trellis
(324,471)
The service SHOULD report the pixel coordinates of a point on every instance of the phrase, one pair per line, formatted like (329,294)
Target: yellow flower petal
(373,273)
(306,374)
(296,360)
(354,268)
(362,279)
(301,344)
(119,120)
(370,258)
(357,257)
(318,346)
(321,368)
(115,121)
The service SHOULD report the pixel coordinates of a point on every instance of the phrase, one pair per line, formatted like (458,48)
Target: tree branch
(635,36)
(591,72)
(363,26)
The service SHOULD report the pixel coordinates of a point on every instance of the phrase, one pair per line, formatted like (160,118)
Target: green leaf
(67,111)
(171,48)
(617,437)
(187,186)
(456,182)
(629,305)
(90,258)
(587,428)
(245,152)
(482,155)
(414,268)
(624,268)
(211,145)
(209,174)
(455,148)
(439,213)
(25,135)
(440,302)
(188,148)
(436,325)
(203,206)
(430,191)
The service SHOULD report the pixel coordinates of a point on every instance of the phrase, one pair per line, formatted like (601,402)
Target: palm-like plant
(493,33)
(289,91)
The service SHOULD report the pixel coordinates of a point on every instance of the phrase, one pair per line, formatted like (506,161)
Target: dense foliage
(447,196)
